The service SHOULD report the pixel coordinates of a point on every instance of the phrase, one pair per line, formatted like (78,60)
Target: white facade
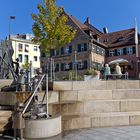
(26,51)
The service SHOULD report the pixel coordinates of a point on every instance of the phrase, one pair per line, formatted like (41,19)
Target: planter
(91,77)
(42,128)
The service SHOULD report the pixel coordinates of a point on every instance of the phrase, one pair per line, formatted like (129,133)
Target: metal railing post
(33,94)
(47,97)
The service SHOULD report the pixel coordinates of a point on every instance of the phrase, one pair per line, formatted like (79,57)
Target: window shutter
(70,66)
(85,46)
(62,66)
(115,52)
(107,53)
(57,68)
(52,52)
(57,52)
(70,49)
(124,51)
(134,50)
(85,64)
(79,47)
(62,50)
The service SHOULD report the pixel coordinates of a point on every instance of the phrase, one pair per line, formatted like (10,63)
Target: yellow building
(25,50)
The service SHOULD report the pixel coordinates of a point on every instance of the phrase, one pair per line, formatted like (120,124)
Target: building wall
(28,49)
(132,60)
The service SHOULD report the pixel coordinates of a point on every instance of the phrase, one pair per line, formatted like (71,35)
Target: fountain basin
(42,128)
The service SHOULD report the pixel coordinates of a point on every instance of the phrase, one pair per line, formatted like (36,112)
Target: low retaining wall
(96,85)
(42,128)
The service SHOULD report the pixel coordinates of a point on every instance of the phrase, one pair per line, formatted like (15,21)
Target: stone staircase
(98,103)
(5,117)
(5,111)
(87,104)
(9,99)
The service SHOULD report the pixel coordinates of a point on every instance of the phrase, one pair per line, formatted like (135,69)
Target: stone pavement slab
(110,133)
(114,133)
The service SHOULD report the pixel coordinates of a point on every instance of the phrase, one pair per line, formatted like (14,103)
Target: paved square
(111,133)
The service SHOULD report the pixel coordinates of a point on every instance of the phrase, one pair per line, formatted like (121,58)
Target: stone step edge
(131,89)
(109,114)
(93,100)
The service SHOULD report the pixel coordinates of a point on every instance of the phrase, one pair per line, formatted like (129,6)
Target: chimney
(105,30)
(88,20)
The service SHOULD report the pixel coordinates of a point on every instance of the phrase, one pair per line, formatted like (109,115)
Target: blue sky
(113,14)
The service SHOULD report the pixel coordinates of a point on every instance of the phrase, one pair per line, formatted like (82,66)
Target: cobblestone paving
(111,133)
(115,133)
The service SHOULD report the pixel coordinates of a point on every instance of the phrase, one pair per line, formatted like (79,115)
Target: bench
(117,75)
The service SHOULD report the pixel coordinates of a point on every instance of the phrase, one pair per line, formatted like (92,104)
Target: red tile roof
(119,38)
(94,30)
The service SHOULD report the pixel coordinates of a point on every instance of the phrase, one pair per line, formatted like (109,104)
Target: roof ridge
(120,31)
(93,27)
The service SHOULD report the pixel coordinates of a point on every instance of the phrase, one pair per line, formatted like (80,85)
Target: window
(26,58)
(70,49)
(66,50)
(82,47)
(26,48)
(112,53)
(57,52)
(105,40)
(35,48)
(85,64)
(62,51)
(20,49)
(79,47)
(56,67)
(20,57)
(119,51)
(80,64)
(35,58)
(62,66)
(129,50)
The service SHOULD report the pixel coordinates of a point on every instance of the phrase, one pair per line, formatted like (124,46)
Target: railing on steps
(35,91)
(30,99)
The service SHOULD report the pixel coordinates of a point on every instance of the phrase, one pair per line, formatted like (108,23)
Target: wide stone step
(5,113)
(100,120)
(96,106)
(126,94)
(10,98)
(4,119)
(99,85)
(85,95)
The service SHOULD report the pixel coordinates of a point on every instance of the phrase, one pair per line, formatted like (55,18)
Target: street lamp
(10,19)
(138,61)
(75,59)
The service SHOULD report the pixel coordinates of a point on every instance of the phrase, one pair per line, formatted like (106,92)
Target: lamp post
(138,61)
(10,18)
(75,59)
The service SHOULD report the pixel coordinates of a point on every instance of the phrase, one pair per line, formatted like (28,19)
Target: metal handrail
(33,94)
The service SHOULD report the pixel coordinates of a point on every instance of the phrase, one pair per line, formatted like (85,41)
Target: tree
(50,26)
